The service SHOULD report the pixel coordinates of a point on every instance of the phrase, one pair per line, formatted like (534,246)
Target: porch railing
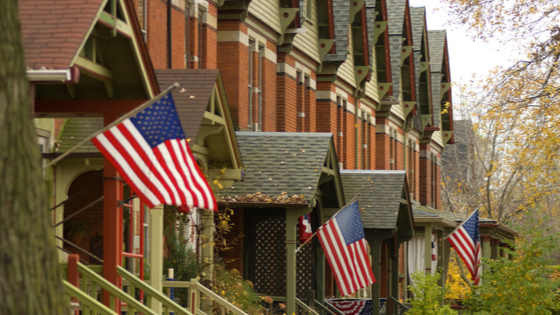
(399,308)
(86,285)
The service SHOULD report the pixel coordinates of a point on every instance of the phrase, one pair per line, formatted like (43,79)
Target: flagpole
(309,239)
(460,225)
(114,123)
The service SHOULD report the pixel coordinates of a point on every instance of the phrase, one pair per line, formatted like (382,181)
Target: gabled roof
(341,12)
(53,30)
(436,47)
(192,98)
(202,104)
(396,15)
(279,162)
(370,16)
(418,19)
(98,47)
(380,197)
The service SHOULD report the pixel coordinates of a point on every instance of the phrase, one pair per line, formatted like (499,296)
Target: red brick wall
(157,33)
(210,45)
(178,38)
(372,147)
(382,145)
(310,108)
(269,91)
(234,69)
(286,97)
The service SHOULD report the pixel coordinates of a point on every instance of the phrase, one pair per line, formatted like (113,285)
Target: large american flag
(466,242)
(345,246)
(151,153)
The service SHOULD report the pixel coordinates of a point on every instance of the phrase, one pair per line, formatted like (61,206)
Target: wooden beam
(94,70)
(122,27)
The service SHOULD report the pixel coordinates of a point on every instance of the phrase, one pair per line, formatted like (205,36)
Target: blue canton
(159,122)
(350,223)
(471,226)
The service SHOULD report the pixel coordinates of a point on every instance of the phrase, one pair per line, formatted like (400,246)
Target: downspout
(169,34)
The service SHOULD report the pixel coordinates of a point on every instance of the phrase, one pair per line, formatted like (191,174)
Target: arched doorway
(86,228)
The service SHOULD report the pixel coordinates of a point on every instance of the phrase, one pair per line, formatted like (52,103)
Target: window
(258,125)
(391,150)
(250,99)
(364,141)
(187,35)
(434,180)
(299,102)
(200,39)
(339,132)
(345,128)
(306,104)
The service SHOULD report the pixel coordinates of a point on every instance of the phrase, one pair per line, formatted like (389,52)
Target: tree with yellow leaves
(526,284)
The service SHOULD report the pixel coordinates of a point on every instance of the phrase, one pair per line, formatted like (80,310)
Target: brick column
(233,67)
(286,95)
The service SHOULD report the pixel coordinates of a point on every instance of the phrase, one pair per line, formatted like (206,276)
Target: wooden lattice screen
(267,264)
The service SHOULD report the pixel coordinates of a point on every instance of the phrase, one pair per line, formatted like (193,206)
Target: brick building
(367,72)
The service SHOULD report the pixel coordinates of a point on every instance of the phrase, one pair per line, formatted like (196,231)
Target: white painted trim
(46,75)
(233,36)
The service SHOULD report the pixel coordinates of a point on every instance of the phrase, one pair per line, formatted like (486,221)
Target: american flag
(353,306)
(345,246)
(151,153)
(466,242)
(305,231)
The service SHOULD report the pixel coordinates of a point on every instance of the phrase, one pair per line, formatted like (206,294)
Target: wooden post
(194,296)
(428,249)
(73,278)
(292,215)
(486,251)
(207,250)
(112,222)
(155,230)
(375,241)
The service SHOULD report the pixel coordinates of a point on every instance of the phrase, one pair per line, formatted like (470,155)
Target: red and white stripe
(166,174)
(350,264)
(468,251)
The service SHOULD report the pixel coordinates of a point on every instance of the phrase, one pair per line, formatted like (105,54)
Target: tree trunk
(30,280)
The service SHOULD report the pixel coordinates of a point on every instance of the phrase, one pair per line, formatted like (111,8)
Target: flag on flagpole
(466,242)
(434,256)
(151,153)
(345,246)
(305,231)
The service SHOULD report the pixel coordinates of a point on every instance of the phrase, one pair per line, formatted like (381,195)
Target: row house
(348,94)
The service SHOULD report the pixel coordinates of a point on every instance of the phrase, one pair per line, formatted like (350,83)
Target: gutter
(46,75)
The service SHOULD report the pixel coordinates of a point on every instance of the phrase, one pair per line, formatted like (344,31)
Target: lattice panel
(270,260)
(305,269)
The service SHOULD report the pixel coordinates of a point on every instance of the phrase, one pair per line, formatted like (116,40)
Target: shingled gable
(436,47)
(396,16)
(419,37)
(204,113)
(88,42)
(381,196)
(341,12)
(201,103)
(296,163)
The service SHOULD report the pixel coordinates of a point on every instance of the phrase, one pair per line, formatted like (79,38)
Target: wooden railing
(86,301)
(195,290)
(86,285)
(149,291)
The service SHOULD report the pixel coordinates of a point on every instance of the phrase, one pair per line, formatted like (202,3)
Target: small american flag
(151,153)
(353,306)
(345,246)
(466,242)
